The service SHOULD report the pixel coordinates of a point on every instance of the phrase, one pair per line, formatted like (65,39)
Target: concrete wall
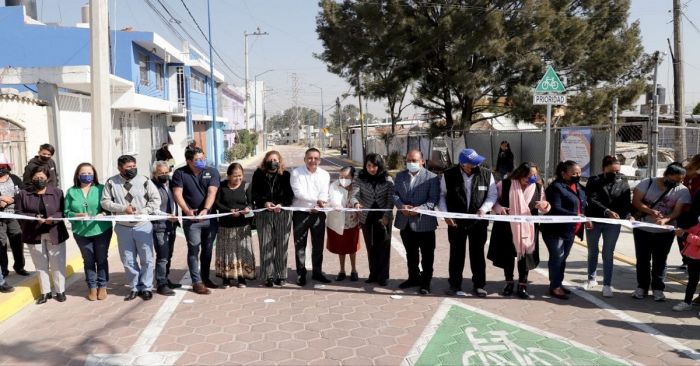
(74,134)
(31,117)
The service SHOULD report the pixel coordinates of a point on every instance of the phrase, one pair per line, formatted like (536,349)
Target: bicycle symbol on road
(493,351)
(549,83)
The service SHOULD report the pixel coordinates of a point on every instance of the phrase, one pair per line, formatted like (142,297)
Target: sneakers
(590,284)
(682,306)
(659,295)
(607,291)
(639,293)
(5,288)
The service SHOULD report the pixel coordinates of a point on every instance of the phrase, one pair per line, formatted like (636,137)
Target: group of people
(196,189)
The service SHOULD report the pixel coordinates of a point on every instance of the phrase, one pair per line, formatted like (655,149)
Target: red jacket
(692,243)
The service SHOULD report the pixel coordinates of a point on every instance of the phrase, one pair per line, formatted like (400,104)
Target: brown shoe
(559,293)
(200,289)
(101,293)
(92,295)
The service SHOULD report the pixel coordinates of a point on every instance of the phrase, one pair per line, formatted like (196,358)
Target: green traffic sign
(463,335)
(550,82)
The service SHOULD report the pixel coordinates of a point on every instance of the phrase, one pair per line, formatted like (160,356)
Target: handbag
(639,215)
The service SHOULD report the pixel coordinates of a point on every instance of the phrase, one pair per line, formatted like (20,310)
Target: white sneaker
(639,293)
(590,284)
(659,295)
(607,291)
(682,306)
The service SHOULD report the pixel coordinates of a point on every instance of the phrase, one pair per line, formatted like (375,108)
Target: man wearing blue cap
(467,188)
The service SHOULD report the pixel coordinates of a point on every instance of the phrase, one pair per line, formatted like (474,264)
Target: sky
(289,48)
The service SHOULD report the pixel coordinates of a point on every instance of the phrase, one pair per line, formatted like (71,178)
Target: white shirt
(309,187)
(491,195)
(413,179)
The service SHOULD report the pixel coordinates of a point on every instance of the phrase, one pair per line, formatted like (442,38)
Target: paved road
(353,323)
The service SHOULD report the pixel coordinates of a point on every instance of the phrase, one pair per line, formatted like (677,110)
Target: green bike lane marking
(460,334)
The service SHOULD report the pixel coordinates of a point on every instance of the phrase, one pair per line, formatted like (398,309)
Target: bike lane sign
(550,83)
(463,335)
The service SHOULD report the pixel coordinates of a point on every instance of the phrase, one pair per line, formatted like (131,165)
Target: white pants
(49,258)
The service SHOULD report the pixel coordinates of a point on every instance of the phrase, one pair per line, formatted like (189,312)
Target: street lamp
(255,106)
(320,118)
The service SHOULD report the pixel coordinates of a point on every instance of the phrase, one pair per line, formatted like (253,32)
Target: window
(143,69)
(159,76)
(159,130)
(197,83)
(129,129)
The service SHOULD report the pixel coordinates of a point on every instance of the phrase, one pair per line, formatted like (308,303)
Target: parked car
(633,158)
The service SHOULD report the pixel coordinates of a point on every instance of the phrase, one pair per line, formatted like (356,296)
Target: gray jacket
(425,195)
(145,197)
(367,194)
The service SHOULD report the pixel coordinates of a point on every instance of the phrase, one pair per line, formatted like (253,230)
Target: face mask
(130,173)
(86,178)
(413,167)
(670,184)
(574,179)
(345,182)
(531,179)
(39,183)
(162,179)
(200,164)
(611,176)
(4,172)
(44,158)
(272,165)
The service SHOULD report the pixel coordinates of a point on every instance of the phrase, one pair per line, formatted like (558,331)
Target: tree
(696,110)
(472,56)
(292,117)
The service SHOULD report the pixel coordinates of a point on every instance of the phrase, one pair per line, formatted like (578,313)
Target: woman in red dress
(342,228)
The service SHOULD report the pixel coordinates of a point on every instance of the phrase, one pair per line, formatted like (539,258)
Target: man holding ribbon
(467,188)
(129,193)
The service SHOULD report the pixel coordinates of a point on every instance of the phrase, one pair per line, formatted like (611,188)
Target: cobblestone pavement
(352,323)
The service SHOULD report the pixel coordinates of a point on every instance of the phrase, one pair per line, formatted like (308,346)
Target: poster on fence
(576,145)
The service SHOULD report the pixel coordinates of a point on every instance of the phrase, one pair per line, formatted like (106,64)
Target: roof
(14,94)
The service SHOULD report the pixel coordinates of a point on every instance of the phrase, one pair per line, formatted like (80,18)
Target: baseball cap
(470,156)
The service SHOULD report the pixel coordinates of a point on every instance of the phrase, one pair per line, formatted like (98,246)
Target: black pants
(164,243)
(522,271)
(654,248)
(457,237)
(12,233)
(378,242)
(419,244)
(303,222)
(693,278)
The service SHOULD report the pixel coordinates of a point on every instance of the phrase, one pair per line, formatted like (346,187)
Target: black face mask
(272,165)
(130,173)
(4,172)
(612,176)
(574,179)
(163,179)
(39,183)
(44,158)
(669,184)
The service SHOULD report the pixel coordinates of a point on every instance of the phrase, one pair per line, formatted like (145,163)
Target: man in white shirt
(310,185)
(467,188)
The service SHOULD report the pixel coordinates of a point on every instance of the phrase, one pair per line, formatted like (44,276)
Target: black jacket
(36,161)
(604,195)
(564,202)
(277,190)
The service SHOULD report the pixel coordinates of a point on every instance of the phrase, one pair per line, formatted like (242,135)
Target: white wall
(33,118)
(179,137)
(74,136)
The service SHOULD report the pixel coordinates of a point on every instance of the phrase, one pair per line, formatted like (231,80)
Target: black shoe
(60,296)
(146,295)
(22,272)
(210,284)
(43,298)
(370,279)
(165,290)
(320,278)
(566,290)
(226,283)
(269,282)
(5,288)
(132,295)
(424,291)
(173,285)
(382,282)
(240,282)
(409,283)
(522,292)
(480,292)
(508,290)
(5,273)
(301,281)
(341,276)
(354,277)
(280,282)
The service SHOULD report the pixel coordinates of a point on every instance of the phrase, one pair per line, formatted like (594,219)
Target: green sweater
(76,202)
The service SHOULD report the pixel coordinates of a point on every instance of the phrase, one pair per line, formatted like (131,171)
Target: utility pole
(652,155)
(320,119)
(681,151)
(340,123)
(100,86)
(247,93)
(362,117)
(613,133)
(213,90)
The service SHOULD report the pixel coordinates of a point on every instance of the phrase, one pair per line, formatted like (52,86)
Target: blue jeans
(164,243)
(559,249)
(200,234)
(610,234)
(94,250)
(137,241)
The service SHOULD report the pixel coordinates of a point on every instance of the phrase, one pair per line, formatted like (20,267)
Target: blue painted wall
(200,102)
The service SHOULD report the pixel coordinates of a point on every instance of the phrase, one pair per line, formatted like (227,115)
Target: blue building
(160,92)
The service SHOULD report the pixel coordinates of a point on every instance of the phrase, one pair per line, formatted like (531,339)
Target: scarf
(523,233)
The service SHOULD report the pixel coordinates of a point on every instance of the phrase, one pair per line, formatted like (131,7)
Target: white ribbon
(445,215)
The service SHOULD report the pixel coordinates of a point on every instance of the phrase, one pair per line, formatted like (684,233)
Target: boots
(101,293)
(92,295)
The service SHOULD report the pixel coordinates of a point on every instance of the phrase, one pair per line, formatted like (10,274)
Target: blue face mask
(532,179)
(86,178)
(200,164)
